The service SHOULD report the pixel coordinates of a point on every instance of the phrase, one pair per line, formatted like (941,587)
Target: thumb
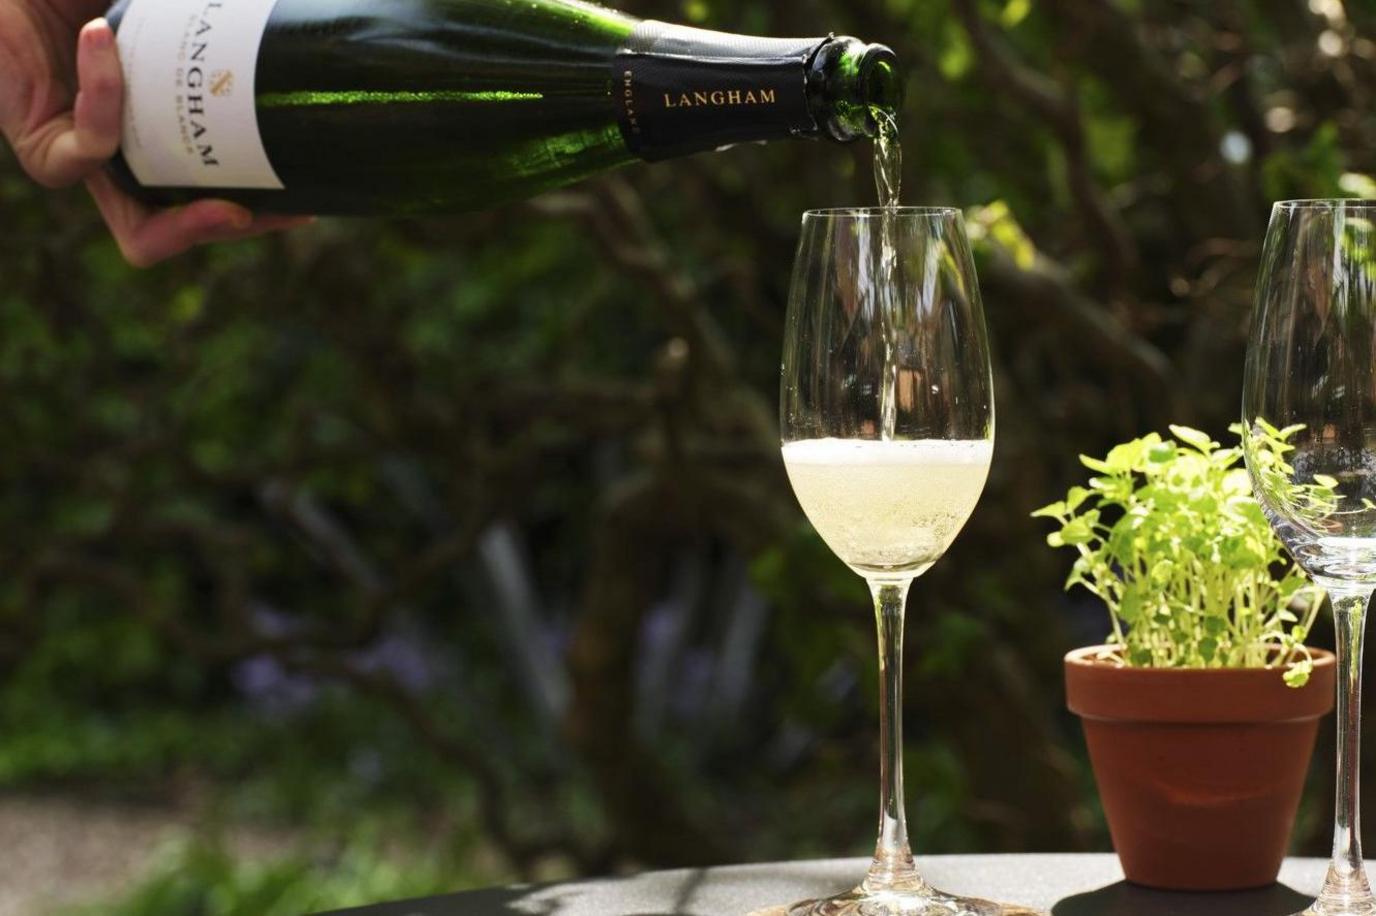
(75,143)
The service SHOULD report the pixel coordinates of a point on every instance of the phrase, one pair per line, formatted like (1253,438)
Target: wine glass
(1311,383)
(887,416)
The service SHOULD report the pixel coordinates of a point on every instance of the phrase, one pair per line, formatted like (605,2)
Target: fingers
(266,224)
(100,94)
(74,144)
(146,236)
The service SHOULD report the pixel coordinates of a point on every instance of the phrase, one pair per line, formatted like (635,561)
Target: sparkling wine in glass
(1311,372)
(887,416)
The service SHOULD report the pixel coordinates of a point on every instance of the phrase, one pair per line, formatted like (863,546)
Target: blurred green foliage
(204,879)
(476,526)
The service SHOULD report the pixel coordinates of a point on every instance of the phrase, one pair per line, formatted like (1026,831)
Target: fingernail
(99,35)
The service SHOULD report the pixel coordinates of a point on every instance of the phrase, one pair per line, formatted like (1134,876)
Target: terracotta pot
(1200,770)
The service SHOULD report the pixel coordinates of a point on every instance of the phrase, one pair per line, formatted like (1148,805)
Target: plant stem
(893,858)
(1346,886)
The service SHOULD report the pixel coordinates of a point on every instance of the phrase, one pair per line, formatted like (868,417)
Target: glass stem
(893,866)
(1346,884)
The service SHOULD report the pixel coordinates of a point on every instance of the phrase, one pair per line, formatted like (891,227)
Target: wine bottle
(374,107)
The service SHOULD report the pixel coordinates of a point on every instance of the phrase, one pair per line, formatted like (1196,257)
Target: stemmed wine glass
(887,417)
(1311,374)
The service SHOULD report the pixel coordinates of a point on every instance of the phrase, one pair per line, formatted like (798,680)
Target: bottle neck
(847,81)
(680,90)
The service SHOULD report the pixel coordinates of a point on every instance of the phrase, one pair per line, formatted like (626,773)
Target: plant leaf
(1199,440)
(1297,675)
(1094,464)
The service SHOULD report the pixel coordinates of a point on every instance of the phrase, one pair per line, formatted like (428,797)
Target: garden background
(395,557)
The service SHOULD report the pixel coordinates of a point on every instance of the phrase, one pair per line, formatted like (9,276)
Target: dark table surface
(1062,884)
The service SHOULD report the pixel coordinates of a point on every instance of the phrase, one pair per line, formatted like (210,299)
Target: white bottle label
(189,114)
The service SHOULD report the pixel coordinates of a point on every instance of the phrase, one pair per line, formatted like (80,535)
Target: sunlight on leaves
(1014,12)
(1170,538)
(995,224)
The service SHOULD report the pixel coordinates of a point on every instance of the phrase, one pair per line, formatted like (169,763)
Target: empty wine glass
(1311,383)
(887,416)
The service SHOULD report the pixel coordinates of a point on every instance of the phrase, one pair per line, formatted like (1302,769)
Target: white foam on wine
(887,507)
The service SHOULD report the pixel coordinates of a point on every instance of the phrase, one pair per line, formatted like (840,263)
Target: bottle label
(682,90)
(189,114)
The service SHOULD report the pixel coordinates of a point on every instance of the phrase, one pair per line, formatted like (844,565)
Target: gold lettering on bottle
(718,98)
(631,119)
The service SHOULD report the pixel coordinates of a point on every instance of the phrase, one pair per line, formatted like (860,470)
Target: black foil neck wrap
(680,90)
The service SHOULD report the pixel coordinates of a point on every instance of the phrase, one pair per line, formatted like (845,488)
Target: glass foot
(1364,906)
(1344,894)
(927,902)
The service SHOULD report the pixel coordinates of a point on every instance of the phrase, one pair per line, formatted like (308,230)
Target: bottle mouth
(879,83)
(851,80)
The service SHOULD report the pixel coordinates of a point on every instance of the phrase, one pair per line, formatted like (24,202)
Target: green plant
(1171,539)
(201,877)
(1313,502)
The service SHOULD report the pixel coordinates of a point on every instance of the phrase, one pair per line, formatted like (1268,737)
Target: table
(1069,884)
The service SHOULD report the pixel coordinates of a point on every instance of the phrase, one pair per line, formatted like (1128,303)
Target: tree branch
(1046,289)
(493,797)
(617,218)
(1176,122)
(1060,111)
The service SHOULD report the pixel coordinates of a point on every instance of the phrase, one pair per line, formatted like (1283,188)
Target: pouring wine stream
(888,181)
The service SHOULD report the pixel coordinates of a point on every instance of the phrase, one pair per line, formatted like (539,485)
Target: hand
(64,134)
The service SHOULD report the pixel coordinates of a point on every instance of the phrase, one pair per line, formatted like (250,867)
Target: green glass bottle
(373,107)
